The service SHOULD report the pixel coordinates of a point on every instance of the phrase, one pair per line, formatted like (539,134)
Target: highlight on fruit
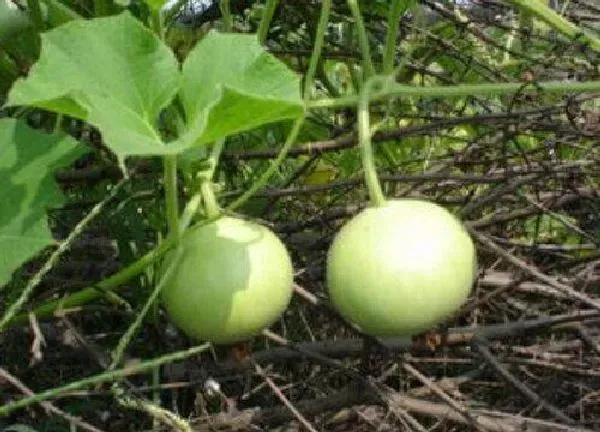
(400,268)
(233,280)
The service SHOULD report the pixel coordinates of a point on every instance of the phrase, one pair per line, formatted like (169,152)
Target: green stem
(171,199)
(211,205)
(225,7)
(317,49)
(396,9)
(213,159)
(103,377)
(157,23)
(128,335)
(257,185)
(363,40)
(558,22)
(291,138)
(210,201)
(118,279)
(490,89)
(366,149)
(265,21)
(109,284)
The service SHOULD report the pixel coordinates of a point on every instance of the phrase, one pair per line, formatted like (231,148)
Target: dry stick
(492,420)
(440,393)
(585,335)
(533,396)
(533,271)
(49,407)
(384,394)
(349,140)
(283,399)
(373,385)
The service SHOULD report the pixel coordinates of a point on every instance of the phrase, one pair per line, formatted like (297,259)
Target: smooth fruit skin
(234,279)
(400,269)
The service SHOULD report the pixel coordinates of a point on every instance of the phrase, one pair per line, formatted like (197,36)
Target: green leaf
(28,160)
(231,85)
(113,73)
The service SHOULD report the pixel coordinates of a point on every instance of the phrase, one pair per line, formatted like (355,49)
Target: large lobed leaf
(118,76)
(28,160)
(112,72)
(231,84)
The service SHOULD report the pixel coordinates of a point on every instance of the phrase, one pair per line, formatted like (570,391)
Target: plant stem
(210,202)
(88,294)
(264,178)
(171,199)
(118,279)
(363,40)
(364,142)
(317,49)
(558,22)
(293,134)
(265,21)
(103,377)
(157,23)
(128,335)
(225,7)
(490,89)
(213,159)
(396,9)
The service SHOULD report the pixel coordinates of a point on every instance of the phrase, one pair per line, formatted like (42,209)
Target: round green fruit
(234,279)
(401,268)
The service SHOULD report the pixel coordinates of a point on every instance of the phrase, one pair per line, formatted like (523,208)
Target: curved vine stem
(210,201)
(211,204)
(363,39)
(293,134)
(103,377)
(225,7)
(364,137)
(265,21)
(118,352)
(396,9)
(171,201)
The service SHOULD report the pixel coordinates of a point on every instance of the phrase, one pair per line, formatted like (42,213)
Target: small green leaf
(113,73)
(231,84)
(28,160)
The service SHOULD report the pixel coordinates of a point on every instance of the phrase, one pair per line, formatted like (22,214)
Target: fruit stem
(265,21)
(226,14)
(171,201)
(363,39)
(364,142)
(210,202)
(396,9)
